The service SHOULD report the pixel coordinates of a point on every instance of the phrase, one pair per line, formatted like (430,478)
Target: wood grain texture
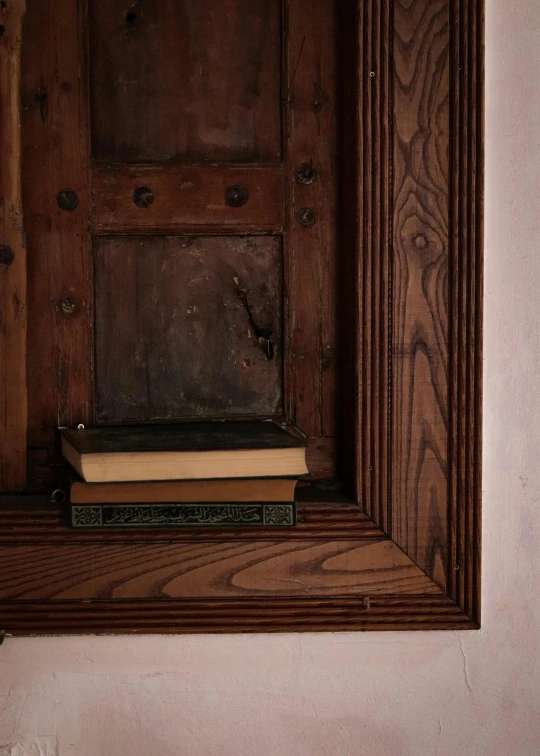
(305,614)
(417,172)
(466,301)
(56,157)
(231,568)
(322,456)
(173,337)
(188,198)
(310,253)
(33,520)
(13,312)
(420,284)
(185,80)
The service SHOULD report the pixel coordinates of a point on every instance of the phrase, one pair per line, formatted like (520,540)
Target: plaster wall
(399,694)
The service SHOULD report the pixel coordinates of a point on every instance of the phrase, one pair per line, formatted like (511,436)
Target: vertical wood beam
(310,252)
(56,165)
(13,406)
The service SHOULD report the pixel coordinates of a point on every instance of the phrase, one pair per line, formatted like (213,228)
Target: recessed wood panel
(179,79)
(177,327)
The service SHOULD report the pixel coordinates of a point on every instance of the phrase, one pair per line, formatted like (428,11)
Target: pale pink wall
(376,694)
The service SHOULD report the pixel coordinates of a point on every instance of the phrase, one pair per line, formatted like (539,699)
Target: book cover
(246,490)
(203,436)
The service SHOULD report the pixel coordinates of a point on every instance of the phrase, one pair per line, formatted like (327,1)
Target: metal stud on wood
(67,200)
(236,196)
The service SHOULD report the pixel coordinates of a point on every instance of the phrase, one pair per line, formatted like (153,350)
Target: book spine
(231,514)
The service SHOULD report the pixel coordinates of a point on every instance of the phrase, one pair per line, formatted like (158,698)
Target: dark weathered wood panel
(178,79)
(13,408)
(174,338)
(188,198)
(55,144)
(221,569)
(295,614)
(311,252)
(420,284)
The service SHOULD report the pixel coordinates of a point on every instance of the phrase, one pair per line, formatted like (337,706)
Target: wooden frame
(407,555)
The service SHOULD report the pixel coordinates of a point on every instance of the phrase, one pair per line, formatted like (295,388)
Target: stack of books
(190,474)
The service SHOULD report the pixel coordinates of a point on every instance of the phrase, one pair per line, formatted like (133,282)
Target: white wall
(396,694)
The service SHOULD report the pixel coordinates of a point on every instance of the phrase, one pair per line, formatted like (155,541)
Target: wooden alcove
(374,300)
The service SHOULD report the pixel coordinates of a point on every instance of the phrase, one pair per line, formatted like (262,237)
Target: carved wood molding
(409,556)
(235,616)
(420,235)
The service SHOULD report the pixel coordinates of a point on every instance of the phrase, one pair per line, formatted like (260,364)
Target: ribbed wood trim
(234,616)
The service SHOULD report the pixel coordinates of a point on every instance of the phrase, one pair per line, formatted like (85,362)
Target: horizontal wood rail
(188,198)
(302,614)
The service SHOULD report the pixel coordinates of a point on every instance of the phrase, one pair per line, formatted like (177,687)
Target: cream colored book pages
(137,466)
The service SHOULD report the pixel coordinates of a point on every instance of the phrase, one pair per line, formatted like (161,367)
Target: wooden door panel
(178,79)
(186,98)
(175,323)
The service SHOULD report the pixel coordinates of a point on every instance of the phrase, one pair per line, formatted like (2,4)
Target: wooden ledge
(32,519)
(306,614)
(335,571)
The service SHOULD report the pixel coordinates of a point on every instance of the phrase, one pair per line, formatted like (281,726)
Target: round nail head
(67,200)
(306,217)
(7,255)
(306,173)
(236,195)
(143,196)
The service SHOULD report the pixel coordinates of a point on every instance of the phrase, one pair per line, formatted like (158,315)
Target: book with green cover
(225,514)
(184,451)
